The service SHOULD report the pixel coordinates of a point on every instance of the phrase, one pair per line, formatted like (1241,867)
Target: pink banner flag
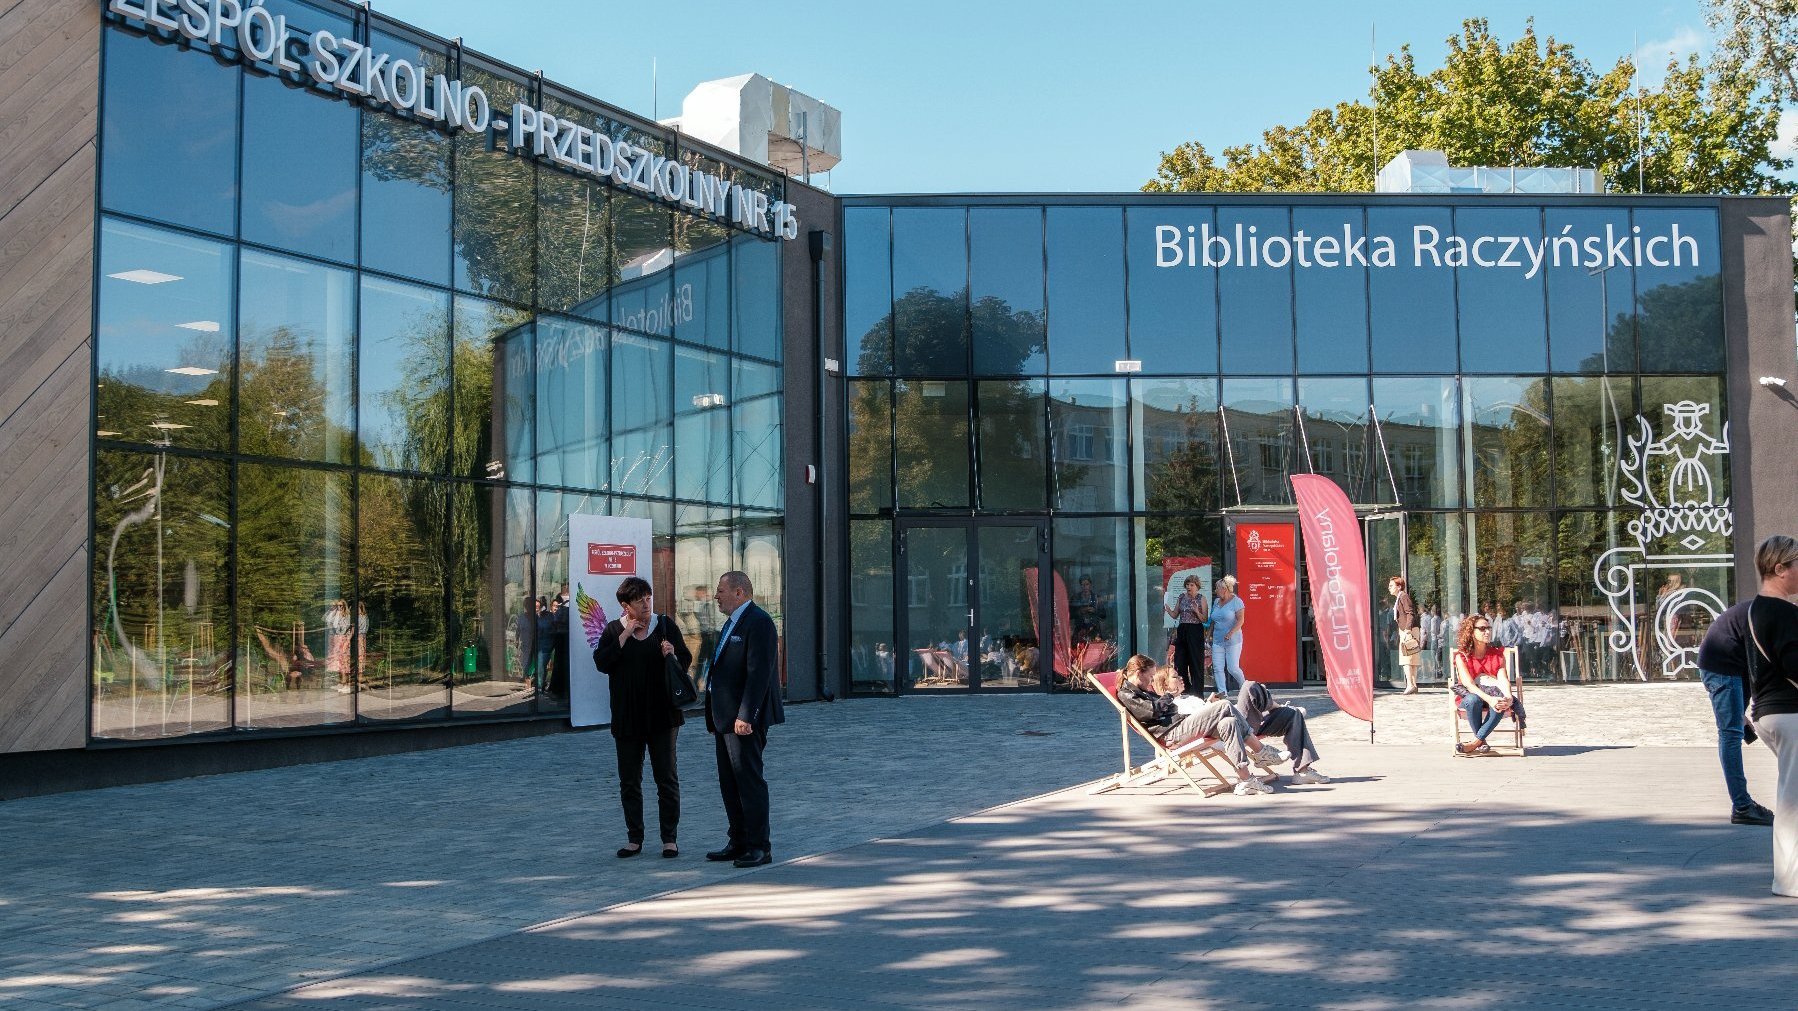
(1337,564)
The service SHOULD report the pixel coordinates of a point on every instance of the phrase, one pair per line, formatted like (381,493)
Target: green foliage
(1761,36)
(1708,128)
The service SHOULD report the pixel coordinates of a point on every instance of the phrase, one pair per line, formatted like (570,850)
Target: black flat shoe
(626,851)
(755,858)
(1753,814)
(670,854)
(727,853)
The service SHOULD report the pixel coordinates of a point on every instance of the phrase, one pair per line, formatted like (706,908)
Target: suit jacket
(1407,611)
(744,682)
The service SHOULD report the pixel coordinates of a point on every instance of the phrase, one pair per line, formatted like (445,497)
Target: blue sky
(1047,96)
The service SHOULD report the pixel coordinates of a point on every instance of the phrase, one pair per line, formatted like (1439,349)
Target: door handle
(970,617)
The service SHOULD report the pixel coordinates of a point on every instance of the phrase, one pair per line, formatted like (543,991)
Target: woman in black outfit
(644,717)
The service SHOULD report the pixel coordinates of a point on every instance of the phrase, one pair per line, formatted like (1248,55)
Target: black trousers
(630,782)
(1288,724)
(1189,656)
(745,787)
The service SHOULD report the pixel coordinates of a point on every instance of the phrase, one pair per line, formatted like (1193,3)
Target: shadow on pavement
(1170,901)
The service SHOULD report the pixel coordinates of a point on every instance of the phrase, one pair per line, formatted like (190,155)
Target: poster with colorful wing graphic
(602,552)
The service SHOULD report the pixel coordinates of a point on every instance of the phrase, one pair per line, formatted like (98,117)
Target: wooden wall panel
(49,87)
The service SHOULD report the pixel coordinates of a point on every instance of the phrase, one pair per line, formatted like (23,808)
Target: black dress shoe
(1753,814)
(730,852)
(755,858)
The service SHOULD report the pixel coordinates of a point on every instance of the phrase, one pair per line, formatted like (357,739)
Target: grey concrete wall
(1763,420)
(809,292)
(49,80)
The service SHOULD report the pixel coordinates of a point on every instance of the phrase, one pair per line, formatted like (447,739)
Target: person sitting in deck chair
(1268,718)
(1175,719)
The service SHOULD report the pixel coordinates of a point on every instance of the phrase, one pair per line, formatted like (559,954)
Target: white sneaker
(1270,756)
(1251,786)
(1309,776)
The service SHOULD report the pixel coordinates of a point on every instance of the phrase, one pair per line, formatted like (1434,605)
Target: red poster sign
(1267,578)
(611,559)
(1338,572)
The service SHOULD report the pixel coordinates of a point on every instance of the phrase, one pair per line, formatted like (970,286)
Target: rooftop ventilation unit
(764,122)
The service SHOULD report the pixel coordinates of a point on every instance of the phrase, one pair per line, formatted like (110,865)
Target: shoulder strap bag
(680,686)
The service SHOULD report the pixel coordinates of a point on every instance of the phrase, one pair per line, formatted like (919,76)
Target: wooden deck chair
(1176,760)
(1508,725)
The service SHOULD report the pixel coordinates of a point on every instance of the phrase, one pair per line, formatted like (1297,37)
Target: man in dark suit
(742,702)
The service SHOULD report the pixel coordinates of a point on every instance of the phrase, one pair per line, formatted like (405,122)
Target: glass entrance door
(969,619)
(1384,534)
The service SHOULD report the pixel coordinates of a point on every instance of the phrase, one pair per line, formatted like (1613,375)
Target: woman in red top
(1483,682)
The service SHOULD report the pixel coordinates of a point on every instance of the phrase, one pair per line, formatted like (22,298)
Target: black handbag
(680,686)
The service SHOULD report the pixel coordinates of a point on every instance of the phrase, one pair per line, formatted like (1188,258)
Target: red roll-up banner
(1267,580)
(1337,563)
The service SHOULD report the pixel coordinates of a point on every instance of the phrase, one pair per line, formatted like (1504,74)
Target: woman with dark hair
(1192,614)
(1772,661)
(631,653)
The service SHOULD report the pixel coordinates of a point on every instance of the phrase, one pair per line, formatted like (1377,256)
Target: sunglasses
(1482,628)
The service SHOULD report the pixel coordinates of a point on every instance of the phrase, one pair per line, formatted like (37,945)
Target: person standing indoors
(644,717)
(1226,636)
(1723,667)
(742,700)
(1404,617)
(1772,651)
(1191,615)
(545,642)
(558,649)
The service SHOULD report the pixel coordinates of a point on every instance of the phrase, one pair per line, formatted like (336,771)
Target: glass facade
(1525,400)
(355,371)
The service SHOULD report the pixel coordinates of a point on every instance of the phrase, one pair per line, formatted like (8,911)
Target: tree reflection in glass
(296,353)
(404,421)
(163,349)
(162,618)
(295,624)
(403,650)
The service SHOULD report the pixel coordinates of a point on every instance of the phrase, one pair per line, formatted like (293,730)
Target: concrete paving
(409,881)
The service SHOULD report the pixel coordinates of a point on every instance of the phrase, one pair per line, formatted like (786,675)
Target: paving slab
(206,891)
(1529,884)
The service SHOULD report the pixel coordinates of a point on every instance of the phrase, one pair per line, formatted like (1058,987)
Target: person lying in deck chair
(1175,718)
(1267,718)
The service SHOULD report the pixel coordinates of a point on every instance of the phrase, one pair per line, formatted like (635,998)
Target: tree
(1762,37)
(1707,128)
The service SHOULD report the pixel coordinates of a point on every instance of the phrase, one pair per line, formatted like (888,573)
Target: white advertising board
(602,552)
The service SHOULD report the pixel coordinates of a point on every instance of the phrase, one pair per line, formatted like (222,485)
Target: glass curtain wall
(1555,437)
(354,374)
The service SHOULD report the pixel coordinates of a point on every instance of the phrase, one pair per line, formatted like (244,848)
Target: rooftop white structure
(764,122)
(1430,172)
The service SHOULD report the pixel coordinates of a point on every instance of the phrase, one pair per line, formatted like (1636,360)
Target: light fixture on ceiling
(192,370)
(105,434)
(142,276)
(205,402)
(705,400)
(202,325)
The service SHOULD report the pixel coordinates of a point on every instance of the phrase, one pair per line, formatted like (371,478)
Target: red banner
(1339,605)
(1267,579)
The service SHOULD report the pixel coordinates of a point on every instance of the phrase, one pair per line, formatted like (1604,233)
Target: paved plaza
(942,854)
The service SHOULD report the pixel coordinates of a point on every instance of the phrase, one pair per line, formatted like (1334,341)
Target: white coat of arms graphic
(1681,525)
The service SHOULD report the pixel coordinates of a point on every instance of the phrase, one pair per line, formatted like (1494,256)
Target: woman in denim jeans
(1484,683)
(1723,664)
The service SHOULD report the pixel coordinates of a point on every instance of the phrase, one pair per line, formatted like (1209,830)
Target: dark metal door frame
(971,527)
